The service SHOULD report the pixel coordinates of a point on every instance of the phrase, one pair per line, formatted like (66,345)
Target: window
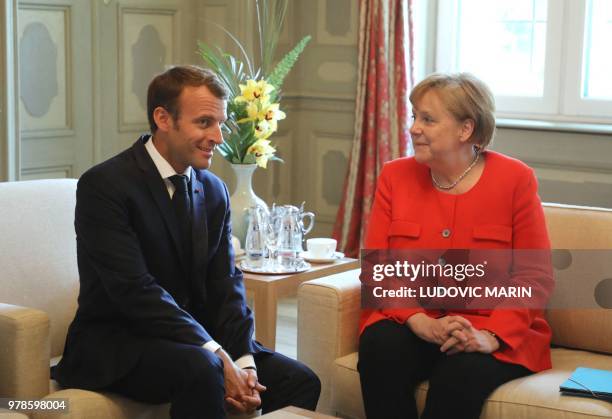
(543,59)
(597,82)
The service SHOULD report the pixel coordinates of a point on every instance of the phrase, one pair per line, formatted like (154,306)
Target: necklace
(452,185)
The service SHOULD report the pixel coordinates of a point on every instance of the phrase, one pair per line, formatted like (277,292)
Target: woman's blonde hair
(465,97)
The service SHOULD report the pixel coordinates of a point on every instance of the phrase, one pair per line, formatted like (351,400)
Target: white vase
(242,199)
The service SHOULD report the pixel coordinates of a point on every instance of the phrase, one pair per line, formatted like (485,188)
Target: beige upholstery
(38,251)
(328,317)
(39,286)
(8,414)
(39,283)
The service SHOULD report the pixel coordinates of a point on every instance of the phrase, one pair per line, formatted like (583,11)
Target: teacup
(321,248)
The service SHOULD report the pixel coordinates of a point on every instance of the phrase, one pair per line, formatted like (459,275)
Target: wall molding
(68,128)
(49,133)
(9,93)
(325,211)
(96,85)
(596,169)
(320,103)
(138,127)
(35,172)
(323,37)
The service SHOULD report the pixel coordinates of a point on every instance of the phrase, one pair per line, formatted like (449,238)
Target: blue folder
(589,382)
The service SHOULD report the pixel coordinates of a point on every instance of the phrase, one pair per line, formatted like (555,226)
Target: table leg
(265,317)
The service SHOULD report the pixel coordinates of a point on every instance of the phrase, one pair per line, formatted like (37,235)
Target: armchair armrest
(328,321)
(24,352)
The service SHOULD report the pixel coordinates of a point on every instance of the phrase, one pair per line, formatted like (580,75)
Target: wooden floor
(286,327)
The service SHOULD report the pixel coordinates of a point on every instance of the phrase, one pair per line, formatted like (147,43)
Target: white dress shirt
(166,171)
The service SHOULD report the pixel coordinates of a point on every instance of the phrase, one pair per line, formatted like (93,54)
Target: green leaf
(270,19)
(238,44)
(249,159)
(285,65)
(274,158)
(233,71)
(219,65)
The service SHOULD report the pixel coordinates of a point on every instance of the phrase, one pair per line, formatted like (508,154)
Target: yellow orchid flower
(273,113)
(258,111)
(262,150)
(253,111)
(254,90)
(263,129)
(264,113)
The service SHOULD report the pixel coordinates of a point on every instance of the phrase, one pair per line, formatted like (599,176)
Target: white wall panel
(338,71)
(57,172)
(332,153)
(147,44)
(211,33)
(337,22)
(44,50)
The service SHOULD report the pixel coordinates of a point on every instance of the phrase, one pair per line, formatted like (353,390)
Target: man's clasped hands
(242,389)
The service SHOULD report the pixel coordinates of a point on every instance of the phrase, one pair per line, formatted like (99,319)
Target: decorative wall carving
(38,72)
(148,58)
(147,45)
(332,151)
(337,22)
(337,16)
(334,162)
(44,69)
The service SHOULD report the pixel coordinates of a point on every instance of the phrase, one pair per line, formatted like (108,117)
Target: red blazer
(501,211)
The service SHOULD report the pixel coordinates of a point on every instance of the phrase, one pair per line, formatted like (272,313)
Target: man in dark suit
(162,315)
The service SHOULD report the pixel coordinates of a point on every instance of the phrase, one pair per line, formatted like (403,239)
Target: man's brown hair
(165,89)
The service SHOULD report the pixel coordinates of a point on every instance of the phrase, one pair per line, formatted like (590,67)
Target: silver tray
(276,270)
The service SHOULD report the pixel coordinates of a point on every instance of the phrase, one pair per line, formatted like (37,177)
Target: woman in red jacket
(453,194)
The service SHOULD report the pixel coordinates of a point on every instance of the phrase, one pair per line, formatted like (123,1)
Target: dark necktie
(182,206)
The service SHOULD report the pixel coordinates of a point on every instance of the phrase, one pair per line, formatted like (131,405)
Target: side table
(267,289)
(293,412)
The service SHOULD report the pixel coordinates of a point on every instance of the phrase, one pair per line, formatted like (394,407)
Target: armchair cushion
(332,302)
(535,396)
(24,352)
(8,414)
(101,405)
(573,228)
(38,251)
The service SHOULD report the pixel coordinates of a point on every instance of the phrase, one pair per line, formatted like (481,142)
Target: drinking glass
(272,232)
(255,239)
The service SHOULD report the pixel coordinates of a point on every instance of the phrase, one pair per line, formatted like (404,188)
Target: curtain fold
(381,111)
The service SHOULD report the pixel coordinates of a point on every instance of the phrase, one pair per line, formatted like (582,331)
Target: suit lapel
(199,225)
(160,194)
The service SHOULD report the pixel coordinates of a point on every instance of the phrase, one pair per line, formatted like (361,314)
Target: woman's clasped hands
(453,333)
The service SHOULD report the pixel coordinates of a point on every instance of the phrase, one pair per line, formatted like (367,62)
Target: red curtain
(381,111)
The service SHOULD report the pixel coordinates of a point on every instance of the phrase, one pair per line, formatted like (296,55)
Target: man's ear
(162,119)
(467,129)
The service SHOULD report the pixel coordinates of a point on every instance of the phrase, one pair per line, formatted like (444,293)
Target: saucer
(307,256)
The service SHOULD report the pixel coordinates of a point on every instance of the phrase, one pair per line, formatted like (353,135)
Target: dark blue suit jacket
(135,283)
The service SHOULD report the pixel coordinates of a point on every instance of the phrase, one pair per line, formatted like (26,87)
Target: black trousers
(191,379)
(393,361)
